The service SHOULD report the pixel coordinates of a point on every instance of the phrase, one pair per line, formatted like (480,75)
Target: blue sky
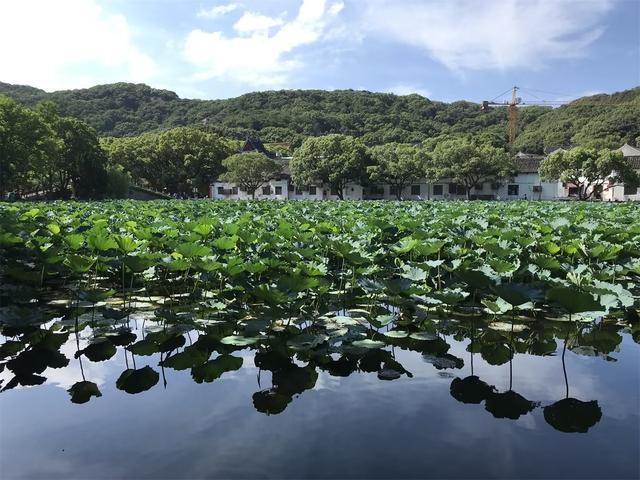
(444,49)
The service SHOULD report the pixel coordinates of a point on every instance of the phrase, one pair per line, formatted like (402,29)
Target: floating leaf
(368,343)
(239,341)
(396,334)
(423,336)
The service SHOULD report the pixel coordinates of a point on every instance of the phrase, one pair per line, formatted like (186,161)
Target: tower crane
(512,109)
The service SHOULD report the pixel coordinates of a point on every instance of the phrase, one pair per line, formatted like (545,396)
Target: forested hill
(291,115)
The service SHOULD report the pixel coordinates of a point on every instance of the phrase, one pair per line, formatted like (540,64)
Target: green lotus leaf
(126,243)
(137,264)
(191,250)
(573,300)
(498,306)
(96,295)
(368,343)
(79,263)
(413,273)
(306,341)
(396,334)
(423,336)
(382,320)
(101,242)
(239,341)
(476,279)
(225,243)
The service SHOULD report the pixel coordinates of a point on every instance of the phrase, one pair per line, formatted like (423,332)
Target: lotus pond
(191,339)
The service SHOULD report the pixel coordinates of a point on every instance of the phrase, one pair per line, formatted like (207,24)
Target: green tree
(398,165)
(588,169)
(189,158)
(82,160)
(333,159)
(117,180)
(469,162)
(176,160)
(26,144)
(75,162)
(249,170)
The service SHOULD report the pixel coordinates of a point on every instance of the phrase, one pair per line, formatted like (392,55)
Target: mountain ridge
(123,109)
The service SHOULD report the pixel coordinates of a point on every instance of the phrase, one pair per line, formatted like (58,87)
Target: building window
(334,191)
(513,190)
(415,189)
(220,190)
(630,190)
(438,189)
(537,188)
(376,190)
(312,190)
(278,190)
(393,190)
(292,187)
(266,190)
(574,191)
(234,190)
(298,190)
(457,189)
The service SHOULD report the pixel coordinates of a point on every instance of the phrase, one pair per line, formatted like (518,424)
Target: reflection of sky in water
(356,426)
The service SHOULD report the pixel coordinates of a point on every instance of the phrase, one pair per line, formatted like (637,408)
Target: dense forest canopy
(123,109)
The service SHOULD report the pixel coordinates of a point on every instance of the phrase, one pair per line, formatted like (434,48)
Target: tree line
(46,155)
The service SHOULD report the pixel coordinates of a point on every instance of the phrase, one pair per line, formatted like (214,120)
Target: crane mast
(512,112)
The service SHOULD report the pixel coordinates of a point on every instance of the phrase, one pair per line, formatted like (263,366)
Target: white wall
(352,191)
(526,182)
(242,195)
(305,195)
(617,194)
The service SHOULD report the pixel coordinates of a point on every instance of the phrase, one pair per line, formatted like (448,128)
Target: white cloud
(406,89)
(254,22)
(218,10)
(336,8)
(46,43)
(259,57)
(491,34)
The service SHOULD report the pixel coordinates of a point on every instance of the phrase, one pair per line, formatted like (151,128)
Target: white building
(621,192)
(526,184)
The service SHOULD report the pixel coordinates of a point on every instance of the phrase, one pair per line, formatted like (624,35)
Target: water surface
(416,409)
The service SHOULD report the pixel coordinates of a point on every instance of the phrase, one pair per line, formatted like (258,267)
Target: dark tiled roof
(255,144)
(634,162)
(629,151)
(284,162)
(527,162)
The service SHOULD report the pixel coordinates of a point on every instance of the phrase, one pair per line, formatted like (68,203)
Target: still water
(418,409)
